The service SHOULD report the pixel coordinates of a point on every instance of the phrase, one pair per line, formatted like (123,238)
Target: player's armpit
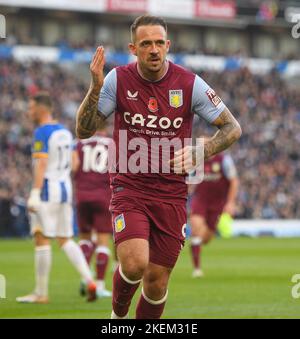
(229,132)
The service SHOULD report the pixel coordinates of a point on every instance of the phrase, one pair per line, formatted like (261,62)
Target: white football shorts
(53,220)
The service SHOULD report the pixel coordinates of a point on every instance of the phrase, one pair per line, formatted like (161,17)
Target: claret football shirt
(146,112)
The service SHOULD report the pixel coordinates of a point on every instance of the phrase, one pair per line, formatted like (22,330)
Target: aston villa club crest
(216,167)
(176,98)
(119,223)
(153,105)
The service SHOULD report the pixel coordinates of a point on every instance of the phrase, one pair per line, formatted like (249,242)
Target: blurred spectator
(267,155)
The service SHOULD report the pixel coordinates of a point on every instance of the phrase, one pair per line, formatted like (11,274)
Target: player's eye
(146,43)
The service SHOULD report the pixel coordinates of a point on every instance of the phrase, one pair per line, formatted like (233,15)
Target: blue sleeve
(40,140)
(229,168)
(205,102)
(107,99)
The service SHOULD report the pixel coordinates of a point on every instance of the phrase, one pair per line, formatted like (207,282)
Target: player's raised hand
(96,67)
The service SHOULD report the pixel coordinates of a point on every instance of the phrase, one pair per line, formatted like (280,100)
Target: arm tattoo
(88,120)
(229,132)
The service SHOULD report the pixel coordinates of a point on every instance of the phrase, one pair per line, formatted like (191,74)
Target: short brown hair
(43,98)
(147,20)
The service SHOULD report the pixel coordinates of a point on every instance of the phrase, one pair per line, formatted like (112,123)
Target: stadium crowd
(267,157)
(89,45)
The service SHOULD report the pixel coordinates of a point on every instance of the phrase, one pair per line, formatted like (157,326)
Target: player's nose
(154,50)
(154,55)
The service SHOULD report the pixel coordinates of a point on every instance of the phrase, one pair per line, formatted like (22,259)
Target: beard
(156,66)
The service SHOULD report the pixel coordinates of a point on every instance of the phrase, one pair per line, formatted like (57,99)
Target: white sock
(196,241)
(77,258)
(155,302)
(42,269)
(103,249)
(100,285)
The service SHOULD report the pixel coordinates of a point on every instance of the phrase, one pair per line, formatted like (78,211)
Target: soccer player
(50,198)
(151,98)
(214,196)
(93,194)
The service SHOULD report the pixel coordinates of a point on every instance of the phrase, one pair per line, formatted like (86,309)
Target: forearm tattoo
(229,132)
(87,117)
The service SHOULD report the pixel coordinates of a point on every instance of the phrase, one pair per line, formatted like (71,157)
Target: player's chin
(155,67)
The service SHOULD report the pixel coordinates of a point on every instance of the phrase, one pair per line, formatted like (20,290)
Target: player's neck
(47,119)
(101,133)
(152,76)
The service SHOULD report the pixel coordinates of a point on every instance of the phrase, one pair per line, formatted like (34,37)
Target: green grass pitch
(244,278)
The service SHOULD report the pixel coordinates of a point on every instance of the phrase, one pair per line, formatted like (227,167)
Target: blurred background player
(93,194)
(50,198)
(214,196)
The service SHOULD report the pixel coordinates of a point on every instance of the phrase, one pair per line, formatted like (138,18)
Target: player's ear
(132,48)
(168,45)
